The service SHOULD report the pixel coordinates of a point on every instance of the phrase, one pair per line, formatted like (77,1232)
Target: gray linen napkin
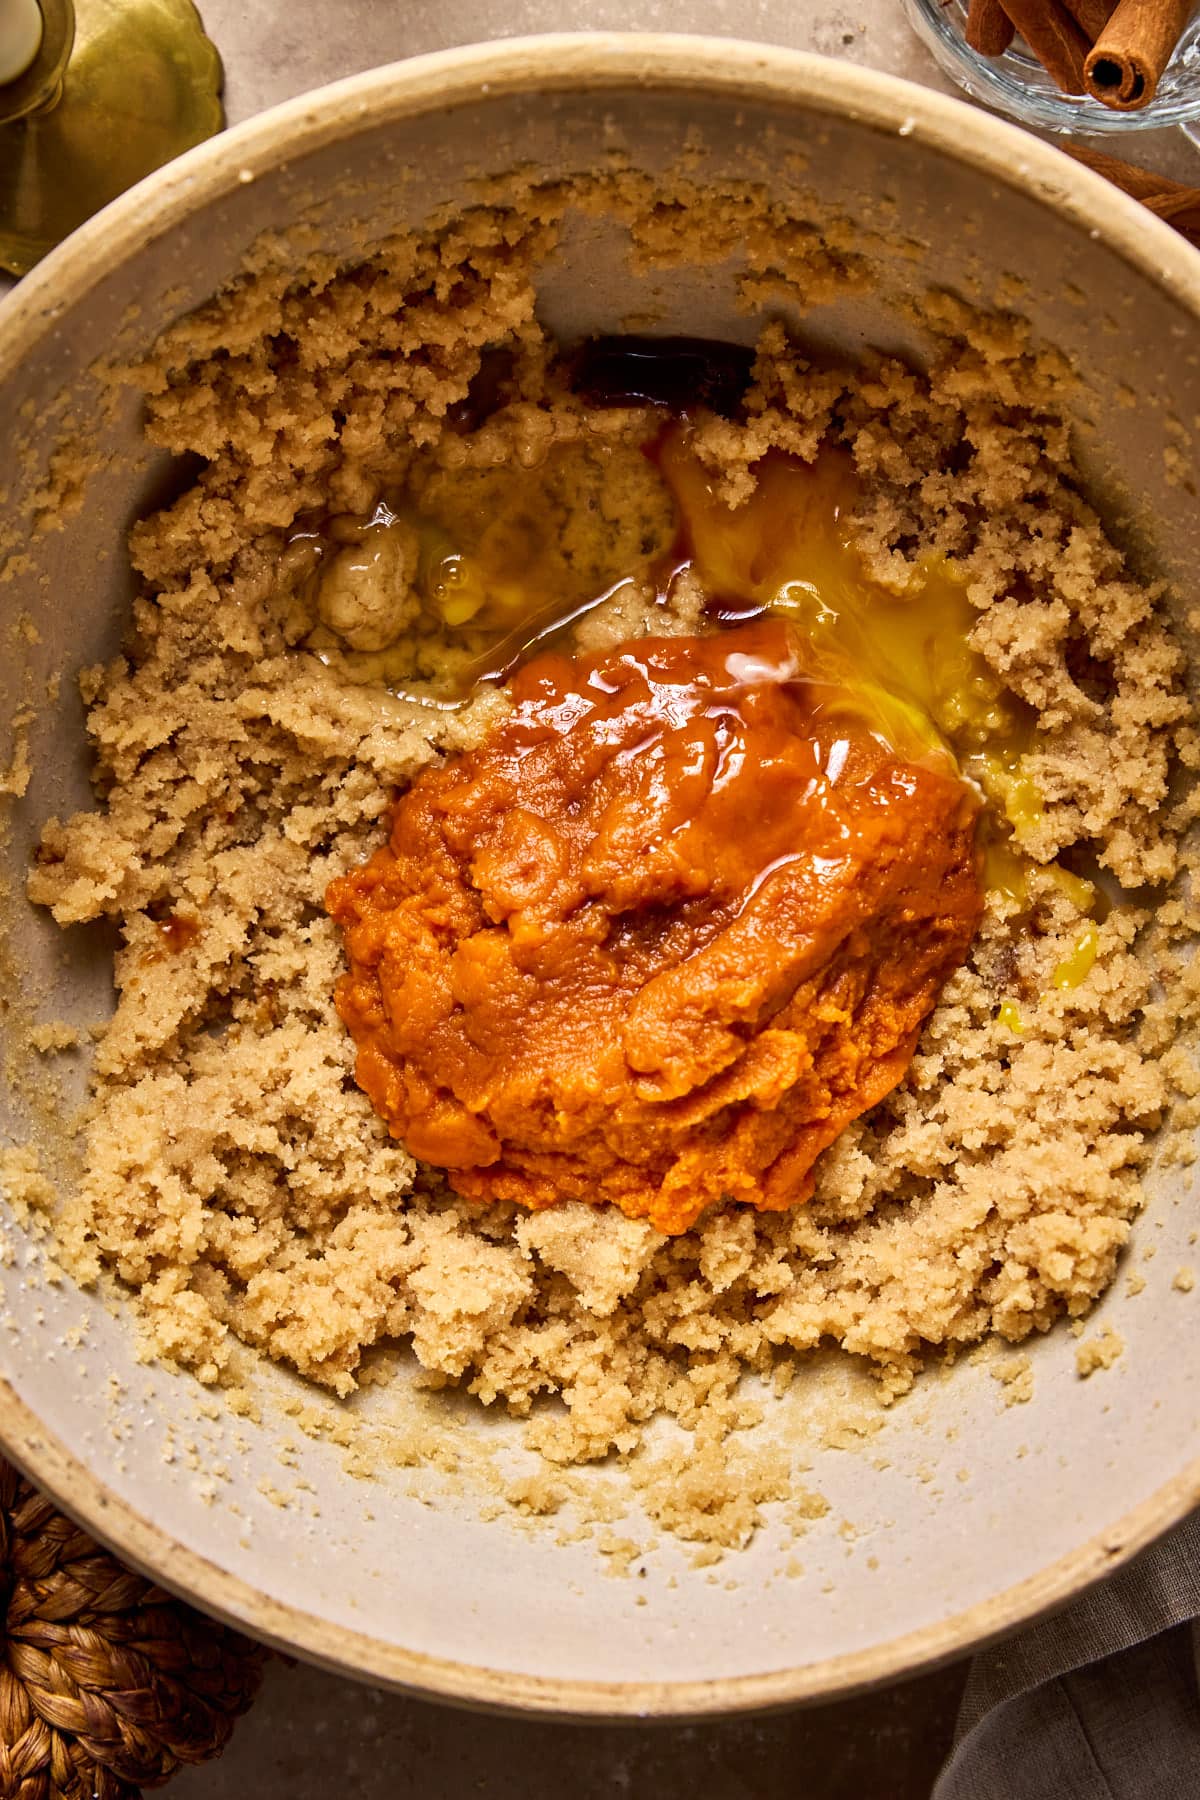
(1099,1702)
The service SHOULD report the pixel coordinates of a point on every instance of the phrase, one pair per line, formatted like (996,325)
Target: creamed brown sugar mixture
(282,683)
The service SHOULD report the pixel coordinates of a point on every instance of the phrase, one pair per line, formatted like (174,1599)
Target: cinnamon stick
(1054,38)
(1091,16)
(1171,200)
(989,30)
(1126,62)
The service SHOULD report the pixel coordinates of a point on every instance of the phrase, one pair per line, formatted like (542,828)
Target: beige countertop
(312,1736)
(276,50)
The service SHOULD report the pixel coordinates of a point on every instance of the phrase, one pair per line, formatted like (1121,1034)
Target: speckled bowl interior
(958,1516)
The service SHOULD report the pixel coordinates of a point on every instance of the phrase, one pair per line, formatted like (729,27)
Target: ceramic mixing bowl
(957,1518)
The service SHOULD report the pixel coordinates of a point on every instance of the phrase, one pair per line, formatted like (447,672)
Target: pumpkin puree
(672,925)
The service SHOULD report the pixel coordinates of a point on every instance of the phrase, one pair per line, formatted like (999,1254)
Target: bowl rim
(558,63)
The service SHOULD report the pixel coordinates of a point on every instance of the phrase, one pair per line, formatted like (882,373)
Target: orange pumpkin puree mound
(664,933)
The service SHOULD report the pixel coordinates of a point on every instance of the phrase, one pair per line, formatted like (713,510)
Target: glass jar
(1017,84)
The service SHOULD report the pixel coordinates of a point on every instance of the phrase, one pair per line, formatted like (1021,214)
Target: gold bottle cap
(20,37)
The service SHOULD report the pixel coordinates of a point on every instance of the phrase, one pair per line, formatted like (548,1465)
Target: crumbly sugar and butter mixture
(404,489)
